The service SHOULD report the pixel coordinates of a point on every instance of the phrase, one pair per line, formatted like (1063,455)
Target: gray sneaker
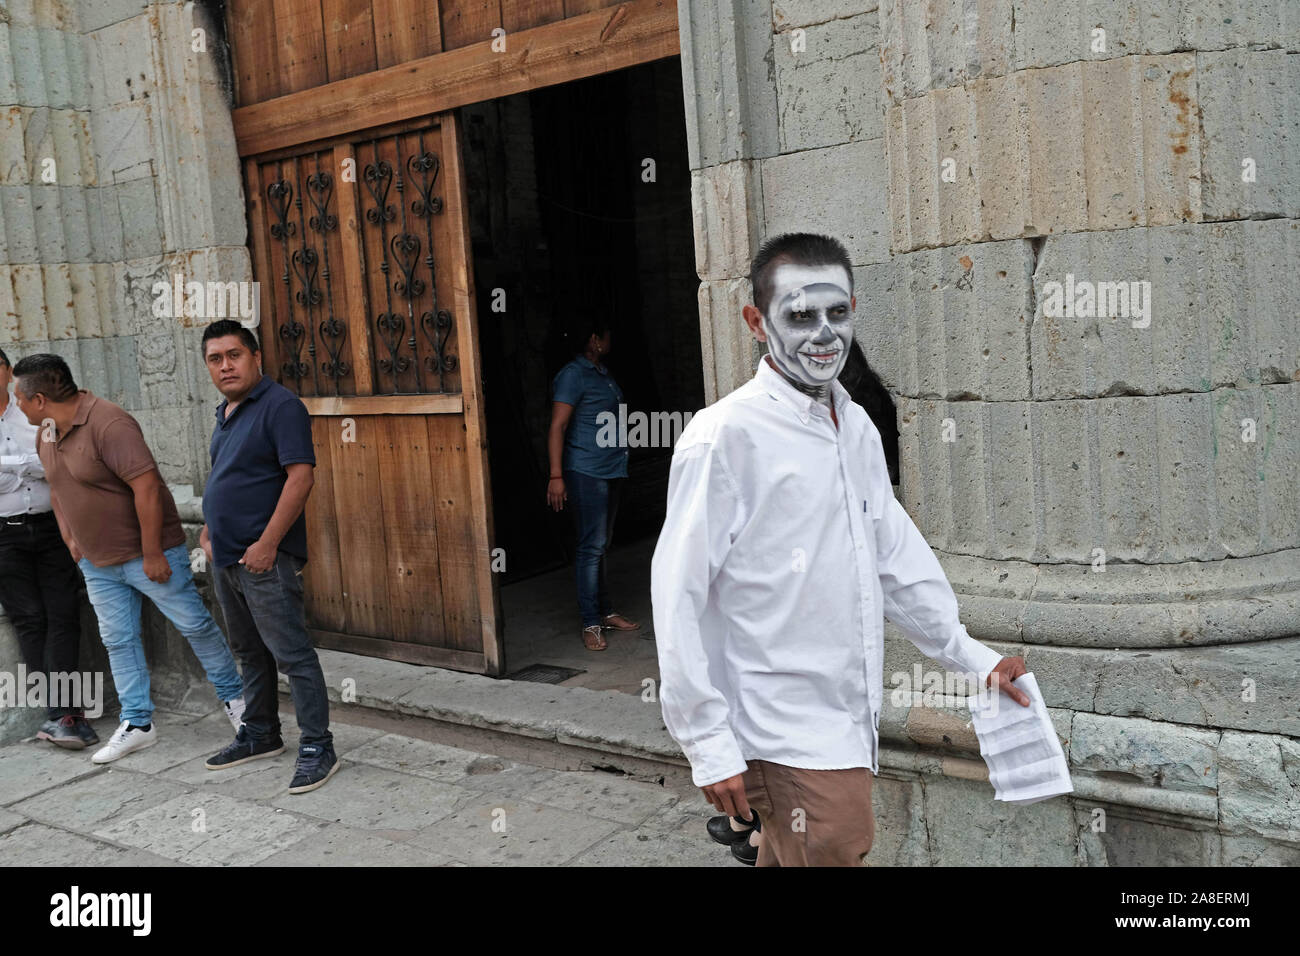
(85,731)
(70,732)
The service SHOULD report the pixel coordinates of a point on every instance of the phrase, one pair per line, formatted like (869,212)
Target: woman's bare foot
(619,623)
(592,638)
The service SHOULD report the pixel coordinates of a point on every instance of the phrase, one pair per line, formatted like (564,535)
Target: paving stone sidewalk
(396,801)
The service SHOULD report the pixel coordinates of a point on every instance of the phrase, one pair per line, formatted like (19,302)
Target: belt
(26,518)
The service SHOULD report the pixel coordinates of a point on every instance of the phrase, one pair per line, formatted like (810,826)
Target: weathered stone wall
(1087,482)
(105,91)
(117,169)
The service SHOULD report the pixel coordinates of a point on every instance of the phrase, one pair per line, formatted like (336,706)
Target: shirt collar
(583,360)
(11,410)
(85,399)
(803,405)
(256,391)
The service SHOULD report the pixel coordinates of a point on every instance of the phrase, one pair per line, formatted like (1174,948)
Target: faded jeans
(264,615)
(116,592)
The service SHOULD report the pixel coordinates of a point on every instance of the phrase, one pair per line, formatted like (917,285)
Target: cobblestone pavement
(396,801)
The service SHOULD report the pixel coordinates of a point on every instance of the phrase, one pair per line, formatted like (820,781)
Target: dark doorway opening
(580,199)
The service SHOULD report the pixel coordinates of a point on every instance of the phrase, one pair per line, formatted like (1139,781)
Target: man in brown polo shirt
(120,523)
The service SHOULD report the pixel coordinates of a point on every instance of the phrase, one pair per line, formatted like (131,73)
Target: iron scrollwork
(404,250)
(291,332)
(436,323)
(320,188)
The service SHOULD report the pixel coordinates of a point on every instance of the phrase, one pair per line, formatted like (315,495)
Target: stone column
(1117,490)
(1119,481)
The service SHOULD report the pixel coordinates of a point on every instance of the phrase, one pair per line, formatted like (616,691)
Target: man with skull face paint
(809,326)
(782,549)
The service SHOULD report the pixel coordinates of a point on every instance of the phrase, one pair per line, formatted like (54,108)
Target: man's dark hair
(224,327)
(797,248)
(46,374)
(4,359)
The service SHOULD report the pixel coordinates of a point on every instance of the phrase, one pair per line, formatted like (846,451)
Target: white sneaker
(235,712)
(124,740)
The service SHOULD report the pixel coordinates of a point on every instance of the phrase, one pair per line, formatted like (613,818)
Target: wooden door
(360,244)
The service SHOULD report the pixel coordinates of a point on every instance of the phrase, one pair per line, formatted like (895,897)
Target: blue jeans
(595,503)
(116,593)
(264,615)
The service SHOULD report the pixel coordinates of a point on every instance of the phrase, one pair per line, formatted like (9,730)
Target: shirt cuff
(980,658)
(715,759)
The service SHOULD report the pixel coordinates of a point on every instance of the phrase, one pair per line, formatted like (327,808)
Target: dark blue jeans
(266,628)
(594,502)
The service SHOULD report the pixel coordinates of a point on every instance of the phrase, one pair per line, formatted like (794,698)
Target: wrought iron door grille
(396,321)
(410,334)
(309,336)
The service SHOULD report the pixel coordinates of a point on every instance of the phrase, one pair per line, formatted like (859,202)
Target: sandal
(592,639)
(613,620)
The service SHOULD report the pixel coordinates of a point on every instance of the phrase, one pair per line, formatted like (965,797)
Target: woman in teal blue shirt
(589,471)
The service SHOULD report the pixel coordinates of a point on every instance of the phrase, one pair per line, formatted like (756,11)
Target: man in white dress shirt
(782,548)
(38,581)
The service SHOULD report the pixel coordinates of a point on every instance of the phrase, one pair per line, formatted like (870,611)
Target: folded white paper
(1020,746)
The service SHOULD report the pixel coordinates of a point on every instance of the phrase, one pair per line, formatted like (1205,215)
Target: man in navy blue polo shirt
(256,539)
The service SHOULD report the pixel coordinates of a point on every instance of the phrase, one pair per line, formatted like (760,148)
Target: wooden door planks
(300,44)
(349,38)
(458,554)
(251,27)
(285,46)
(469,21)
(361,533)
(323,577)
(405,30)
(356,304)
(407,487)
(524,14)
(574,7)
(634,32)
(476,469)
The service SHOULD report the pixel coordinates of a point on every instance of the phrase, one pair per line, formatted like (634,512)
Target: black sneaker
(316,764)
(62,732)
(243,749)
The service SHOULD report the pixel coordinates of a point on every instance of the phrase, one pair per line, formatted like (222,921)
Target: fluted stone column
(1095,489)
(1116,499)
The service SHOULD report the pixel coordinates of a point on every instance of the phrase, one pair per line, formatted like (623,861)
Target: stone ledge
(1199,687)
(1147,767)
(1180,605)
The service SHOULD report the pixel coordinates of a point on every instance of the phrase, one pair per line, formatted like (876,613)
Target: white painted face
(809,322)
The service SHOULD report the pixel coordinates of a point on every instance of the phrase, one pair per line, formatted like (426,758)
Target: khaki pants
(811,817)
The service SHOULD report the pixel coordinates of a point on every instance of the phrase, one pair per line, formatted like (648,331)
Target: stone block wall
(96,95)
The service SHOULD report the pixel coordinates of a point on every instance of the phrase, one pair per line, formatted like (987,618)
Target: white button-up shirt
(782,548)
(23,489)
